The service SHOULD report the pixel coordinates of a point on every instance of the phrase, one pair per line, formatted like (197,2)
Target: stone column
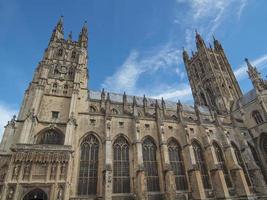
(141,184)
(197,188)
(217,176)
(238,176)
(108,176)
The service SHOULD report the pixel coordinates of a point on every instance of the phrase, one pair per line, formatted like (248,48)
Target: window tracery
(201,163)
(51,137)
(150,165)
(177,164)
(87,183)
(121,172)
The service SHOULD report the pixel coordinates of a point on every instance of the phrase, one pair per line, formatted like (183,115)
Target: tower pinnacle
(58,32)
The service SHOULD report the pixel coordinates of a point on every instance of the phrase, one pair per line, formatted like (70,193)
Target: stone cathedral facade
(72,143)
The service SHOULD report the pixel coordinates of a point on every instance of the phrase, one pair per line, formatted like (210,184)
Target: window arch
(257,117)
(87,183)
(150,164)
(114,111)
(36,194)
(221,160)
(241,162)
(200,161)
(177,164)
(50,137)
(121,172)
(60,52)
(73,54)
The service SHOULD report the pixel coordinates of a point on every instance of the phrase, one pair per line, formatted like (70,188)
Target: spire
(58,32)
(199,41)
(216,43)
(83,37)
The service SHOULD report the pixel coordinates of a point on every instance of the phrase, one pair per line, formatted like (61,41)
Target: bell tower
(211,77)
(60,79)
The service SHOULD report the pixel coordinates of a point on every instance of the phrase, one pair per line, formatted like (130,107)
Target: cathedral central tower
(211,77)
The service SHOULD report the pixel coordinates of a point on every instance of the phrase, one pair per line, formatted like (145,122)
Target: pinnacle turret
(83,37)
(199,41)
(58,32)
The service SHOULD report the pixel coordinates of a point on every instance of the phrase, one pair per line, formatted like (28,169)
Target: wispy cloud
(260,63)
(128,74)
(205,15)
(6,114)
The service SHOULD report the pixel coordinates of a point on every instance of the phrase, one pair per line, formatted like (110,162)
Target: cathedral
(69,142)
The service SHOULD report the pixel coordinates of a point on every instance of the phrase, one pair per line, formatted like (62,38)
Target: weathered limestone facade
(71,143)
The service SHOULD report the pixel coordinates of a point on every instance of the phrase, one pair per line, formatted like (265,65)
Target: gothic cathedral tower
(211,78)
(59,80)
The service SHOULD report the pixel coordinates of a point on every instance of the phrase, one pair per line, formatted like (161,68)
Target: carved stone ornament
(72,120)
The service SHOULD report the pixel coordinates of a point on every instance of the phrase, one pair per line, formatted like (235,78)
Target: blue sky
(134,46)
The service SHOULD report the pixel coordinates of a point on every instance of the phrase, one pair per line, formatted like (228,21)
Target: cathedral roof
(151,102)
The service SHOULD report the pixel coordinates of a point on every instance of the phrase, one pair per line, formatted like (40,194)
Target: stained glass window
(121,173)
(88,166)
(150,164)
(177,164)
(201,164)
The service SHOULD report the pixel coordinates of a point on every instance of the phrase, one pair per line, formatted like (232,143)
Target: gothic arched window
(50,137)
(60,52)
(201,164)
(150,164)
(87,183)
(121,172)
(203,99)
(177,164)
(73,54)
(241,162)
(257,117)
(221,160)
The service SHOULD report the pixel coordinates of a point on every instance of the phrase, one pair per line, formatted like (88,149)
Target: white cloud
(127,75)
(175,94)
(205,15)
(260,63)
(6,114)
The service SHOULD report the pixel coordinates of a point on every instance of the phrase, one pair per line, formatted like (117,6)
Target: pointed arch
(177,164)
(201,163)
(121,169)
(50,136)
(35,194)
(89,148)
(221,160)
(149,150)
(241,162)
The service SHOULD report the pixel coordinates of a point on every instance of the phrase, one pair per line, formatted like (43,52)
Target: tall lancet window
(201,164)
(121,172)
(150,164)
(177,164)
(88,166)
(221,160)
(241,163)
